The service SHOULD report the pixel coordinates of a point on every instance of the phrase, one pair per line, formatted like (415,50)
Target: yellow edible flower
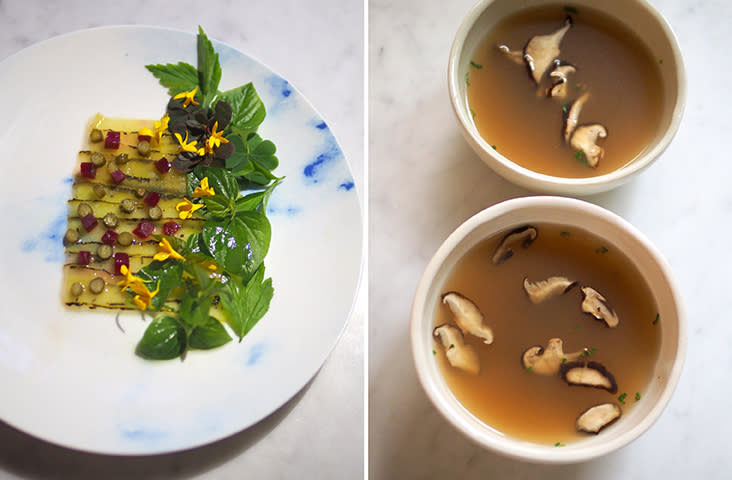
(129,279)
(186,146)
(145,132)
(188,97)
(165,251)
(203,190)
(186,208)
(161,126)
(144,297)
(216,138)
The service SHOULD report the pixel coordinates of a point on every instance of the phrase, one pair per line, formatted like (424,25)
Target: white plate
(72,378)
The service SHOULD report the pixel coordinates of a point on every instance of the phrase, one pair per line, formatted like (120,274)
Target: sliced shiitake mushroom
(515,56)
(598,306)
(468,316)
(559,76)
(572,117)
(546,361)
(584,139)
(459,354)
(588,374)
(541,50)
(542,290)
(522,235)
(598,417)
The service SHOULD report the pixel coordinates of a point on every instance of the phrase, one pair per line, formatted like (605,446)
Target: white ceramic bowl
(571,213)
(640,17)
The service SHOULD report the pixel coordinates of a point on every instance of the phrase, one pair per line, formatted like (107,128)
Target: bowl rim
(464,421)
(541,182)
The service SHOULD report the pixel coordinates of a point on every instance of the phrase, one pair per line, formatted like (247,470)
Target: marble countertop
(318,47)
(425,180)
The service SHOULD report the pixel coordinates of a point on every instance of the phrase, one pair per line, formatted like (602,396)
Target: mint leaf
(248,303)
(210,335)
(247,109)
(163,339)
(209,69)
(240,244)
(177,78)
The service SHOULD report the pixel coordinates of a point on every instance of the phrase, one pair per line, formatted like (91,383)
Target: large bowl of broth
(535,311)
(571,99)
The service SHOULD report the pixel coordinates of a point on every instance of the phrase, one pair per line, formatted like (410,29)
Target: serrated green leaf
(209,69)
(177,78)
(247,303)
(210,335)
(163,339)
(164,276)
(248,111)
(239,245)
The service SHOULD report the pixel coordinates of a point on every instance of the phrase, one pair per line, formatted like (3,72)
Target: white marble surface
(317,46)
(424,181)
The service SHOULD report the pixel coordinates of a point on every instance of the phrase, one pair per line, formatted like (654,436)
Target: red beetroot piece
(84,257)
(112,140)
(141,138)
(163,165)
(169,228)
(118,176)
(89,221)
(109,237)
(144,229)
(88,170)
(121,258)
(152,198)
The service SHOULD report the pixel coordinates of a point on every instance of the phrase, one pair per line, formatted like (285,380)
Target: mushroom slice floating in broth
(558,77)
(468,316)
(572,117)
(584,139)
(598,306)
(598,417)
(515,56)
(523,236)
(588,374)
(545,289)
(542,50)
(458,354)
(546,361)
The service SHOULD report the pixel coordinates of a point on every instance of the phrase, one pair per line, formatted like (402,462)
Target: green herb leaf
(467,78)
(210,335)
(219,179)
(476,65)
(637,396)
(559,444)
(194,309)
(209,69)
(655,320)
(472,113)
(165,276)
(240,244)
(494,147)
(621,398)
(247,304)
(530,369)
(564,233)
(177,78)
(163,339)
(579,155)
(247,110)
(434,352)
(602,249)
(565,107)
(256,201)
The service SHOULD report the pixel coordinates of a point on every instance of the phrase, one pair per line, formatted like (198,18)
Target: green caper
(96,135)
(104,251)
(143,148)
(155,213)
(76,289)
(72,235)
(121,158)
(140,192)
(124,239)
(97,285)
(97,158)
(127,205)
(83,210)
(99,190)
(110,220)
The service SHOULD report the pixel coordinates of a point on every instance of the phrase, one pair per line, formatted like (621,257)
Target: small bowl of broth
(570,99)
(548,329)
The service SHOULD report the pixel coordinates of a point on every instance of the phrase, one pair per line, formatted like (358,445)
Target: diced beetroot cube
(144,229)
(84,257)
(152,198)
(169,228)
(109,237)
(118,176)
(89,221)
(120,259)
(88,170)
(163,165)
(111,140)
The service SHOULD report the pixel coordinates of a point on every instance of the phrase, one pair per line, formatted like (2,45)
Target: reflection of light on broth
(526,126)
(534,407)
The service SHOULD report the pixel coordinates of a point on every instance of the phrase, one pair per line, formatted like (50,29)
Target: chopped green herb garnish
(602,249)
(660,61)
(637,396)
(580,156)
(576,86)
(564,233)
(588,352)
(530,369)
(577,327)
(655,320)
(559,444)
(472,113)
(452,345)
(621,398)
(564,359)
(565,107)
(476,65)
(434,352)
(570,9)
(467,79)
(494,147)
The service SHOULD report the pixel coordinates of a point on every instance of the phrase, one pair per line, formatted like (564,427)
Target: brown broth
(613,65)
(534,407)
